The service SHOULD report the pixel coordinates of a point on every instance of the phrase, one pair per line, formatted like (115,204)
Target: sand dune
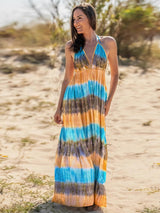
(29,139)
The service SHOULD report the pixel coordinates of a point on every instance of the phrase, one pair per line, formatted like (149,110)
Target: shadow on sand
(50,207)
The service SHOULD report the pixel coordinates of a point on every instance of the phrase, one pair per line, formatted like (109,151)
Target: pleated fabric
(81,155)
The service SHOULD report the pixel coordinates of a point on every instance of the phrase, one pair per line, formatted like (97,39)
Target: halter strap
(98,39)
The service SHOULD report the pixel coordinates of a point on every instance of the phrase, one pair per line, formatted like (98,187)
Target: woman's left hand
(107,107)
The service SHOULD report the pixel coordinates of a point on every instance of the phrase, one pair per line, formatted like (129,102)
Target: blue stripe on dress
(74,175)
(100,175)
(100,52)
(85,89)
(77,175)
(83,133)
(79,54)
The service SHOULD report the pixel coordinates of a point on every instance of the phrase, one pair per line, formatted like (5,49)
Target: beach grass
(147,123)
(151,210)
(8,167)
(11,128)
(40,106)
(33,190)
(21,207)
(26,141)
(9,69)
(148,190)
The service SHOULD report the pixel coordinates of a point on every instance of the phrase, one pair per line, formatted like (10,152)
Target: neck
(90,37)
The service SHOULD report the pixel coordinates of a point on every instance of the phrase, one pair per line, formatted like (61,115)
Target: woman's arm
(69,69)
(113,63)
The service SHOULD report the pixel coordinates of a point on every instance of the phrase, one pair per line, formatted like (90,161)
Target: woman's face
(80,21)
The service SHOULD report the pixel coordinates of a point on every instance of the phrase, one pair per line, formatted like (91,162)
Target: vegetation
(39,180)
(24,207)
(153,210)
(133,23)
(8,69)
(28,194)
(34,36)
(27,141)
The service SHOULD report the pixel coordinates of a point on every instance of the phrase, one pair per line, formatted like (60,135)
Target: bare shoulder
(68,46)
(109,42)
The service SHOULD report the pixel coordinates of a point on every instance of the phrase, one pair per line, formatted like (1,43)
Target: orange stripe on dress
(101,200)
(76,200)
(73,200)
(95,74)
(81,162)
(83,119)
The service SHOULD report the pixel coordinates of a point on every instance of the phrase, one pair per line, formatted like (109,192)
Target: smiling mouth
(78,28)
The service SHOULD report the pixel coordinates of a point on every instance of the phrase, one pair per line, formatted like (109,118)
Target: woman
(81,156)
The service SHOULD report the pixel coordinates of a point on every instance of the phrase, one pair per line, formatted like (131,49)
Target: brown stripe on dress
(79,188)
(80,62)
(84,147)
(100,62)
(99,189)
(83,104)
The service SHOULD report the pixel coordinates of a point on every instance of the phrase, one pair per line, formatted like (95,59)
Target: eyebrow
(78,16)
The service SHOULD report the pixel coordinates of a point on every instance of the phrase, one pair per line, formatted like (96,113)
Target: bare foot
(91,208)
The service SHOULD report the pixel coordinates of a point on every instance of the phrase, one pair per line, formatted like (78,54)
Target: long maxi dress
(81,155)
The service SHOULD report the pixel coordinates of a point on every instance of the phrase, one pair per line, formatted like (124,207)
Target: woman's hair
(78,40)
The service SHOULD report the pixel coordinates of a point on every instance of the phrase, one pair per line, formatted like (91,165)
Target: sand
(29,139)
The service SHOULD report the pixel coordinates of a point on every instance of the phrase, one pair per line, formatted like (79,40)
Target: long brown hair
(78,40)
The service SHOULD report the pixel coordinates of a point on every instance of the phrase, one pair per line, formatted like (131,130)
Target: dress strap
(98,39)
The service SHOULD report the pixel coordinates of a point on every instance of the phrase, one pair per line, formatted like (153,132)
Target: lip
(78,28)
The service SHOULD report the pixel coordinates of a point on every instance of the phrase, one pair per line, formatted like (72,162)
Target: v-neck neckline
(90,63)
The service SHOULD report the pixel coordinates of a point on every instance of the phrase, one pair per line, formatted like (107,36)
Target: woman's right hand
(57,117)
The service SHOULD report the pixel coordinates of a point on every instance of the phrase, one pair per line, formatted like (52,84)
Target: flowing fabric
(81,155)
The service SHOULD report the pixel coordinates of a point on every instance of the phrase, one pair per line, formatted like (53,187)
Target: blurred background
(135,25)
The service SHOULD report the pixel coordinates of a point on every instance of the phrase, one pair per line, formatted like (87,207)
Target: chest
(89,51)
(94,56)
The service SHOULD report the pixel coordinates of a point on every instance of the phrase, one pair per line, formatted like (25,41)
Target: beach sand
(29,139)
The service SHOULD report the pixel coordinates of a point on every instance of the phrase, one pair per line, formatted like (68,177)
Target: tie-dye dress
(81,155)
